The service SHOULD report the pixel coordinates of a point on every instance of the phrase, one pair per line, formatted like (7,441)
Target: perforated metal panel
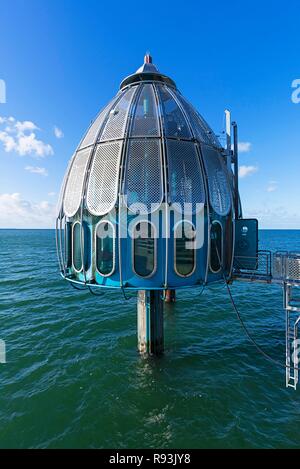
(75,181)
(62,189)
(174,121)
(143,179)
(218,183)
(116,123)
(102,187)
(94,129)
(145,119)
(185,175)
(201,129)
(293,266)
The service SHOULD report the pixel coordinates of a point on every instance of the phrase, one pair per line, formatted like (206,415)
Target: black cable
(260,350)
(126,298)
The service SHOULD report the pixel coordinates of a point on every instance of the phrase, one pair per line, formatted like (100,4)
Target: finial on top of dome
(147,58)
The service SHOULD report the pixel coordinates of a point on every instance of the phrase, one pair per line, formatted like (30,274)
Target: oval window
(68,244)
(76,247)
(144,249)
(184,249)
(216,247)
(105,248)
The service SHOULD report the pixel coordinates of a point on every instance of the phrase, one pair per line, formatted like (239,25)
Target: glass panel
(184,256)
(77,262)
(144,249)
(174,121)
(145,117)
(201,129)
(218,181)
(117,120)
(105,248)
(94,129)
(216,251)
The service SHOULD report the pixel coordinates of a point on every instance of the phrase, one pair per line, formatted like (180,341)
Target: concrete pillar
(150,322)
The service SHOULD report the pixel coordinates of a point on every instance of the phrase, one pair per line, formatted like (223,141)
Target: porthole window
(76,247)
(185,259)
(144,249)
(216,247)
(105,248)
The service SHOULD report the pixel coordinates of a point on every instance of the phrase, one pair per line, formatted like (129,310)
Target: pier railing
(278,267)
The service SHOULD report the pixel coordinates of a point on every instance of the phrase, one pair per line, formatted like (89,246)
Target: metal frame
(204,179)
(154,251)
(126,138)
(165,172)
(114,247)
(180,222)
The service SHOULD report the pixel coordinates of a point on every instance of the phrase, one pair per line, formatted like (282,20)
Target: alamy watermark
(187,222)
(2,351)
(295,97)
(2,92)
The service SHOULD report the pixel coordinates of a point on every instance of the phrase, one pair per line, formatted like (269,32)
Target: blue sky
(62,61)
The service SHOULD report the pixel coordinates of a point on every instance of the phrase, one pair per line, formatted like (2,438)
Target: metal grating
(59,206)
(75,181)
(116,122)
(93,131)
(173,118)
(185,175)
(145,121)
(102,187)
(201,129)
(293,266)
(218,183)
(143,180)
(286,266)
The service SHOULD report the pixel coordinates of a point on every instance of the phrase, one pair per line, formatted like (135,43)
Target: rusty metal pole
(150,322)
(170,296)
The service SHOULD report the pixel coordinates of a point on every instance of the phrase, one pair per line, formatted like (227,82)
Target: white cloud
(25,125)
(58,132)
(19,136)
(8,141)
(16,212)
(51,194)
(245,171)
(37,170)
(243,147)
(274,217)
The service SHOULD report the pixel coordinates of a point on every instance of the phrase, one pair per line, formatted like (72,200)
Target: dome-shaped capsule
(147,194)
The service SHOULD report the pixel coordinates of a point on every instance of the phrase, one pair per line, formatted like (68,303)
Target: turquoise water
(73,377)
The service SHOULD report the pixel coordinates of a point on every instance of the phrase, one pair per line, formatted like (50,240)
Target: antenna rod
(236,170)
(228,137)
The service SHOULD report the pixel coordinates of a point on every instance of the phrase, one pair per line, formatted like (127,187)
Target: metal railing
(286,266)
(280,267)
(253,267)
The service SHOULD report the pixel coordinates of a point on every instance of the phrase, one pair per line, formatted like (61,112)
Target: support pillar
(150,322)
(170,296)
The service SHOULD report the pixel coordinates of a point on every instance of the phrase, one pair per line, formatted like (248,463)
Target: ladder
(292,310)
